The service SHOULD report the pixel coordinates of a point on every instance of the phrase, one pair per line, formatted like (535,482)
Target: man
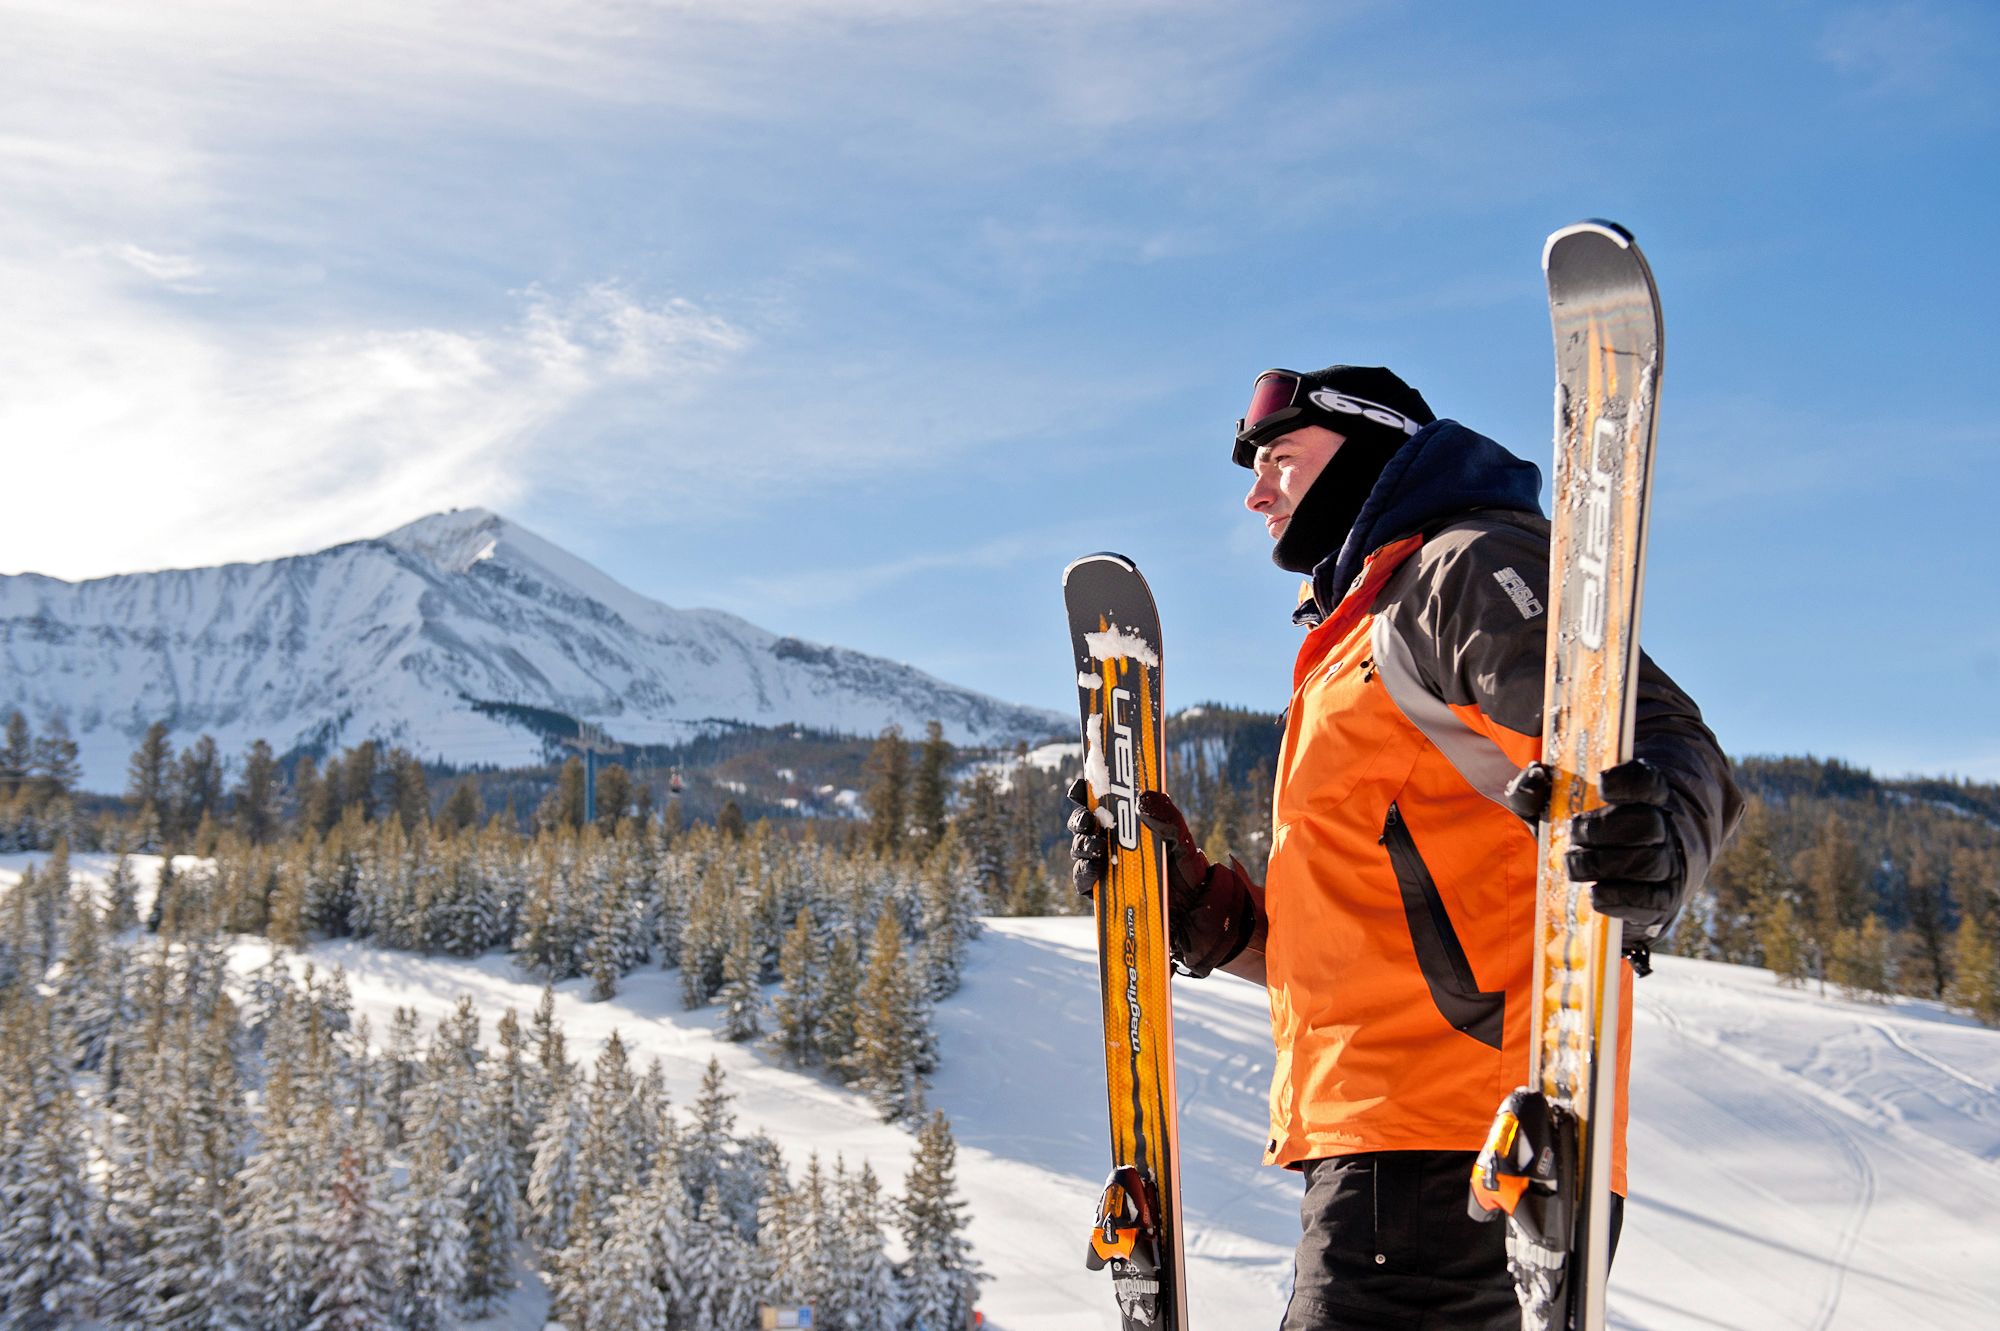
(1393,927)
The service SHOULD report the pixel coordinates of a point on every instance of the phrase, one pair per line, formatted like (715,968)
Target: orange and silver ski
(1115,632)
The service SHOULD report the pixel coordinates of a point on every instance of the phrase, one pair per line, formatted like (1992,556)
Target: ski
(1115,631)
(1548,1162)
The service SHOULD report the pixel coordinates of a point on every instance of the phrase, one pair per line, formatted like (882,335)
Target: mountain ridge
(400,638)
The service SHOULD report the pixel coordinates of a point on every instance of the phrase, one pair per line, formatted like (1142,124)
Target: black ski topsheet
(1115,634)
(1605,314)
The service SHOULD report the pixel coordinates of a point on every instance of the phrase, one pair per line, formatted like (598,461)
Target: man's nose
(1261,495)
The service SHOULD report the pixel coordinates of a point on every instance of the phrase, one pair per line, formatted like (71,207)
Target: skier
(1393,926)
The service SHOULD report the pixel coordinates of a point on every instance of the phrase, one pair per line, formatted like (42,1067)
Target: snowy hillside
(401,637)
(1798,1161)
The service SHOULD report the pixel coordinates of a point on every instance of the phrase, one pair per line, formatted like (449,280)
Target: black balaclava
(1351,400)
(1323,518)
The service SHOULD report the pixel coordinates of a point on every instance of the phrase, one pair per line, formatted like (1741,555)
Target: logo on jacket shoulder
(1519,593)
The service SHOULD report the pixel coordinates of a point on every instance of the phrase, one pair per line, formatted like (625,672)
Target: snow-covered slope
(398,638)
(1799,1162)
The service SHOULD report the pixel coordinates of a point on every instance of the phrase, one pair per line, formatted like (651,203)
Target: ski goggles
(1280,403)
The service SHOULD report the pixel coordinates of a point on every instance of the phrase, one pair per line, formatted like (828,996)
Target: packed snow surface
(1798,1160)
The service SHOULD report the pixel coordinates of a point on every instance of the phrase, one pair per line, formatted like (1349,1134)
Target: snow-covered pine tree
(513,1094)
(717,1286)
(121,892)
(742,995)
(400,1070)
(552,1184)
(353,1292)
(49,1272)
(281,1211)
(796,1011)
(890,1016)
(431,1233)
(620,1289)
(840,1002)
(948,907)
(864,1278)
(939,1277)
(705,1147)
(492,1197)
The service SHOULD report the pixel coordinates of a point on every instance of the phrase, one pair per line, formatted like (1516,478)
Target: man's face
(1285,469)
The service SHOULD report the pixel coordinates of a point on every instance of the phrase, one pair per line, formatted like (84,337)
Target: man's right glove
(1626,848)
(1210,912)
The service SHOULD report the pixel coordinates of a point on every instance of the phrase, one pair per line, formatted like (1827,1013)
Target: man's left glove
(1627,848)
(1210,912)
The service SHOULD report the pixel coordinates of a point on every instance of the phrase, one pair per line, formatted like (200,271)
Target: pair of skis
(1547,1163)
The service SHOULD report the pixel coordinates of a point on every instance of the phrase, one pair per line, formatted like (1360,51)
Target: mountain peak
(449,636)
(452,541)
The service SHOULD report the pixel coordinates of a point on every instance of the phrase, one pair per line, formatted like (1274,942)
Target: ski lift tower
(592,743)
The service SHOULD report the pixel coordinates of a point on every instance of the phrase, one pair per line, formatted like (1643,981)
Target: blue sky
(861,318)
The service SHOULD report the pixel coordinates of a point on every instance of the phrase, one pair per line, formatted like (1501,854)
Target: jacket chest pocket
(1479,1013)
(1342,730)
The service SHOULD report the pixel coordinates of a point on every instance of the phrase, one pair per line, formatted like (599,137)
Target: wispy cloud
(837,586)
(146,432)
(1924,48)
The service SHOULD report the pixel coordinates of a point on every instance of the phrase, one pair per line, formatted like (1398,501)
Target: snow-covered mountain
(445,636)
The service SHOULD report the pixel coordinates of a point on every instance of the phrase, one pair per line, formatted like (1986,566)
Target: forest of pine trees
(183,1148)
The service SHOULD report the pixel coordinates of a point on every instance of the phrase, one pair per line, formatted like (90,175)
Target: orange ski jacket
(1400,891)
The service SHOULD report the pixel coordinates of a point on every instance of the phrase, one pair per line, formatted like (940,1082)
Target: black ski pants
(1389,1246)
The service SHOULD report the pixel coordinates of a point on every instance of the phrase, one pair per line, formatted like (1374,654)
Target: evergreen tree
(563,806)
(552,1186)
(929,787)
(949,911)
(888,791)
(742,999)
(1975,972)
(939,1279)
(49,1272)
(1861,962)
(54,767)
(315,797)
(150,774)
(197,787)
(354,1294)
(621,1290)
(1925,903)
(492,1201)
(463,808)
(409,796)
(432,1238)
(716,1289)
(797,1009)
(841,1004)
(705,1150)
(863,1278)
(282,1212)
(259,796)
(1835,877)
(360,773)
(614,795)
(1784,943)
(729,820)
(17,756)
(889,1025)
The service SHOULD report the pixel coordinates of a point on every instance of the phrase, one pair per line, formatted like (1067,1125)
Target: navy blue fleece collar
(1445,470)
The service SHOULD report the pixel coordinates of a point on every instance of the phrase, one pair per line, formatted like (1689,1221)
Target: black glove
(1210,912)
(1627,849)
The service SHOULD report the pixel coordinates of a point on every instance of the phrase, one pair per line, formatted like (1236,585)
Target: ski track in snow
(1799,1163)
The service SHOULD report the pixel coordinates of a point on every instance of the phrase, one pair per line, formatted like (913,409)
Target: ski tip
(1593,226)
(1101,557)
